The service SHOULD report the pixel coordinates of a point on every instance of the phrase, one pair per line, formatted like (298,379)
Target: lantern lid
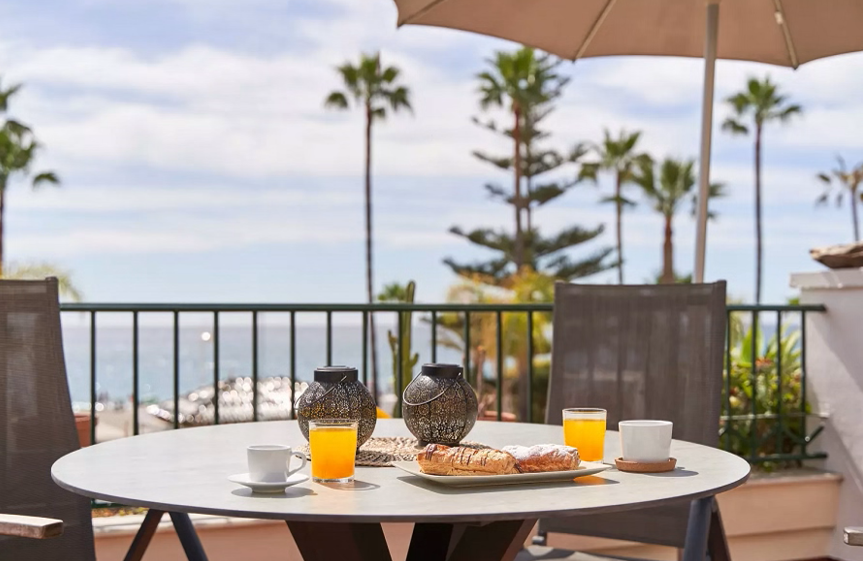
(442,370)
(335,374)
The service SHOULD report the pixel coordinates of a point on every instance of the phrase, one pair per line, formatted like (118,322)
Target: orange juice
(588,435)
(333,451)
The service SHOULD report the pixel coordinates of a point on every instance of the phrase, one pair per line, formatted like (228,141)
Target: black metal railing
(764,412)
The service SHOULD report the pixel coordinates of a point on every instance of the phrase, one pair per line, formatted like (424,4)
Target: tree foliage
(527,83)
(839,181)
(621,157)
(18,150)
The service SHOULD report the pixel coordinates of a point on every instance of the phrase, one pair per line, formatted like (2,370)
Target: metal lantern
(439,405)
(337,393)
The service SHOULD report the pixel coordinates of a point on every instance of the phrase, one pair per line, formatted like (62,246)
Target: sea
(114,356)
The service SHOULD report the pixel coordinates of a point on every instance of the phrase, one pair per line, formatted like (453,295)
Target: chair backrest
(640,352)
(37,425)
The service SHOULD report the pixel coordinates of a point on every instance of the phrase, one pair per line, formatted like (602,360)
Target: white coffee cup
(645,441)
(271,463)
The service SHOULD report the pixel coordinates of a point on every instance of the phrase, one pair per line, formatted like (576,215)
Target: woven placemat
(380,451)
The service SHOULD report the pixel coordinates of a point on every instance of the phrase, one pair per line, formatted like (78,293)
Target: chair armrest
(30,526)
(854,536)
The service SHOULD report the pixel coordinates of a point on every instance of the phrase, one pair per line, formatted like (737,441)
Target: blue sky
(198,163)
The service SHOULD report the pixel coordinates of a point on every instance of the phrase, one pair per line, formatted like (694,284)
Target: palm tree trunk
(2,210)
(667,254)
(516,137)
(759,257)
(618,203)
(369,281)
(853,215)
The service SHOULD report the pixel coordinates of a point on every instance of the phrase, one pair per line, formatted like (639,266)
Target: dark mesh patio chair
(640,352)
(36,428)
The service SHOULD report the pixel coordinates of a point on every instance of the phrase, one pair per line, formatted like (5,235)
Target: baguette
(438,459)
(544,457)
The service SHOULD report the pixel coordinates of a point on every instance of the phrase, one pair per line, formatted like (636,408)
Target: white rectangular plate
(586,468)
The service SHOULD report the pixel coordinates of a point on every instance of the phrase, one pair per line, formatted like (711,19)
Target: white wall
(834,345)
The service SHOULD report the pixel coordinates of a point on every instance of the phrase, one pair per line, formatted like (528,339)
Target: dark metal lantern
(337,393)
(439,405)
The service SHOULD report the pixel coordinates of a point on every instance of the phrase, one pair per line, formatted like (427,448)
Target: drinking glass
(584,428)
(333,445)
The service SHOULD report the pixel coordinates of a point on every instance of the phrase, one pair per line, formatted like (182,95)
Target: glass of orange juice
(333,445)
(584,428)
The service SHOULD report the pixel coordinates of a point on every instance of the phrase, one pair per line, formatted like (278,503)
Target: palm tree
(760,103)
(674,186)
(38,271)
(847,180)
(619,156)
(18,148)
(518,81)
(373,90)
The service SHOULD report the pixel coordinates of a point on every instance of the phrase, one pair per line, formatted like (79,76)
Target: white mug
(645,441)
(271,463)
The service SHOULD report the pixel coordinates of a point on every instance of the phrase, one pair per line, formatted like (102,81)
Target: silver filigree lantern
(439,405)
(337,393)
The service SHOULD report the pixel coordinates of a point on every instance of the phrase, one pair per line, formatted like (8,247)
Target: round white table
(185,471)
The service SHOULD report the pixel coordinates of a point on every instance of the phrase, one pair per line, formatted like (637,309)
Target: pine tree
(526,246)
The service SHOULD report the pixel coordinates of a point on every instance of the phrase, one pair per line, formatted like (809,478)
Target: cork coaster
(645,467)
(381,451)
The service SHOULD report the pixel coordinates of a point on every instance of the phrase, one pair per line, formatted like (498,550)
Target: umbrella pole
(706,133)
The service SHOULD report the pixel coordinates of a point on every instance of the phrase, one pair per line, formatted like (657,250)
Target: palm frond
(734,126)
(336,100)
(38,271)
(45,178)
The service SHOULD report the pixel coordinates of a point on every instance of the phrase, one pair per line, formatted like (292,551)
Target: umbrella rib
(421,12)
(594,29)
(786,33)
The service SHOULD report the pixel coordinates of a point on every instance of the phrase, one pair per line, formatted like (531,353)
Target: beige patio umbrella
(780,32)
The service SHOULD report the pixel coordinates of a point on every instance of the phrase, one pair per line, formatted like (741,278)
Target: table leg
(495,541)
(697,530)
(717,542)
(144,535)
(322,541)
(188,536)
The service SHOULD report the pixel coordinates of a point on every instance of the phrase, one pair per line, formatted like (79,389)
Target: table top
(186,471)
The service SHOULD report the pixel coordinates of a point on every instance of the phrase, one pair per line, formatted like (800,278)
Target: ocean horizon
(114,356)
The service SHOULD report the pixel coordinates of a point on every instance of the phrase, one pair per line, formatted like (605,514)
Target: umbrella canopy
(780,32)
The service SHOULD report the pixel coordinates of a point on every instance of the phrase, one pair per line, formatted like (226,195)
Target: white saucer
(258,487)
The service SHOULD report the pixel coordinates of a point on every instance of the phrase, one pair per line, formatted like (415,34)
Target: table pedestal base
(495,541)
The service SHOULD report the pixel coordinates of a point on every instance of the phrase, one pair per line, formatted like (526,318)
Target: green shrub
(763,406)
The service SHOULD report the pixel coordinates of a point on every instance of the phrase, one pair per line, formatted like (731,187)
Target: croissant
(438,459)
(544,457)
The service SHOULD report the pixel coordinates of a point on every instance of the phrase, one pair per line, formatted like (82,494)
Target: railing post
(293,364)
(93,377)
(176,369)
(728,370)
(780,430)
(529,367)
(216,391)
(136,398)
(499,343)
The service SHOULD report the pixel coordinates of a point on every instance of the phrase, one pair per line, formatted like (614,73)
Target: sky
(198,163)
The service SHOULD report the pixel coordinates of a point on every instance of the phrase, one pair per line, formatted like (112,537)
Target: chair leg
(717,543)
(697,530)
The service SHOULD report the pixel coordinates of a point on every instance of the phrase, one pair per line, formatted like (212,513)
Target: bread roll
(438,459)
(544,457)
